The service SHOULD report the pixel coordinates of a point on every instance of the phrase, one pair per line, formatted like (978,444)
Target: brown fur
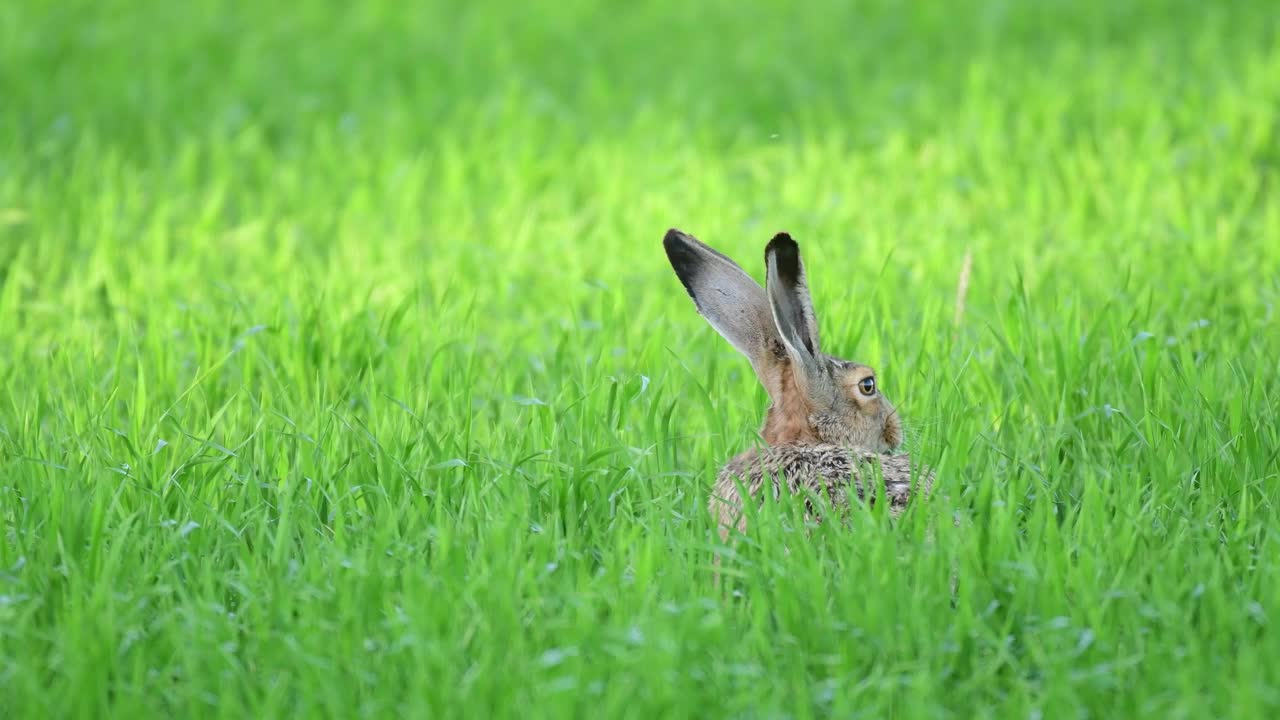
(822,431)
(838,473)
(827,450)
(787,420)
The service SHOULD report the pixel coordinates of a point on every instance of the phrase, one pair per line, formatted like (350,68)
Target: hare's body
(841,475)
(827,423)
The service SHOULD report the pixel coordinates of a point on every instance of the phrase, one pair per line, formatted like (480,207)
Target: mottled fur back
(828,422)
(841,474)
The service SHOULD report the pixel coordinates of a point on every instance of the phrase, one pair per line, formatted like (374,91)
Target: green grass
(342,373)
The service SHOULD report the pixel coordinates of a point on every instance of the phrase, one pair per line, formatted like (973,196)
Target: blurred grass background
(343,373)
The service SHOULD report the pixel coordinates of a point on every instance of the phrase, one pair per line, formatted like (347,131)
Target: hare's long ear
(791,305)
(733,303)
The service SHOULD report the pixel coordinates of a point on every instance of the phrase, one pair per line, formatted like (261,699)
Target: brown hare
(828,422)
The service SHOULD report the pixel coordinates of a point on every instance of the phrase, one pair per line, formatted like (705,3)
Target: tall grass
(342,373)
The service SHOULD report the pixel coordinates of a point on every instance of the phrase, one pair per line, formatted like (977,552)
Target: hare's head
(815,397)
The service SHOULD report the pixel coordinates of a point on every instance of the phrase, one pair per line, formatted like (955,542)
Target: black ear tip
(674,237)
(679,246)
(683,257)
(782,242)
(783,247)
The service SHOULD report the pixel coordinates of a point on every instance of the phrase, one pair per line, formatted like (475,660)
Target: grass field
(342,373)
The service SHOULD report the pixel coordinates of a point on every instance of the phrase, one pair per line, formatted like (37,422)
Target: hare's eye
(867,386)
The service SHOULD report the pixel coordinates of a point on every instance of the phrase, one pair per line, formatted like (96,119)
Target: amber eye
(867,386)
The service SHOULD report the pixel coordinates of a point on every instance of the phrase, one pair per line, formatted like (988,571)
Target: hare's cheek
(892,431)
